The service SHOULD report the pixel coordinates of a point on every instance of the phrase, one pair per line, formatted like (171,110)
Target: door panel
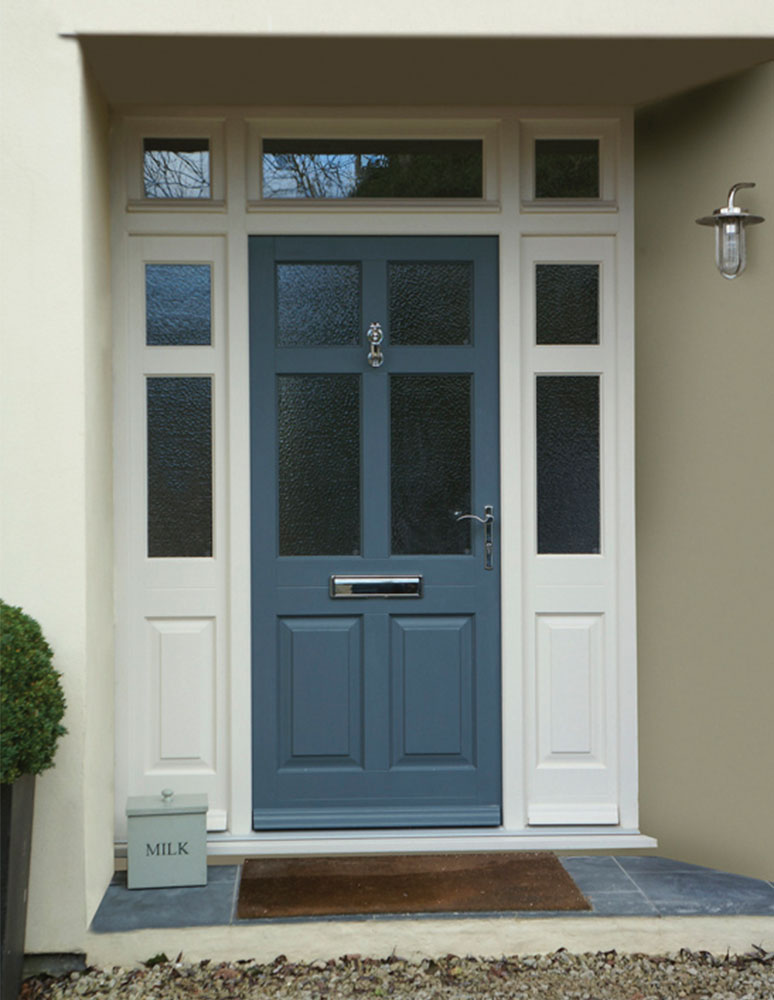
(374,711)
(320,682)
(432,674)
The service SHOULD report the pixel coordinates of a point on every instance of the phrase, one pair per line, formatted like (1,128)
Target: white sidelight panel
(182,696)
(577,402)
(575,778)
(171,469)
(569,663)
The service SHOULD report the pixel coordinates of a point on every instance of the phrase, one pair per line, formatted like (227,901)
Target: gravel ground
(558,976)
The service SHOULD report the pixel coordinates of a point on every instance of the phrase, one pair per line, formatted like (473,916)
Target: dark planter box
(16,805)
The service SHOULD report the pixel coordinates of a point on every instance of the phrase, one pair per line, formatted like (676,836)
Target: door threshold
(417,841)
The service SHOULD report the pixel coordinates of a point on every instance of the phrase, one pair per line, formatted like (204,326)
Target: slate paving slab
(667,887)
(598,874)
(208,905)
(637,863)
(615,886)
(621,904)
(717,893)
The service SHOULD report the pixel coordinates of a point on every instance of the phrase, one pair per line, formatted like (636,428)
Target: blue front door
(375,604)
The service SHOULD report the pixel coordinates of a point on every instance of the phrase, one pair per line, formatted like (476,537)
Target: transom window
(176,168)
(372,168)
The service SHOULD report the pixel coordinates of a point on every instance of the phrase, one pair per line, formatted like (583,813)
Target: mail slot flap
(376,586)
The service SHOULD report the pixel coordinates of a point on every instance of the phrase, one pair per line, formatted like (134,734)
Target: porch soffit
(188,70)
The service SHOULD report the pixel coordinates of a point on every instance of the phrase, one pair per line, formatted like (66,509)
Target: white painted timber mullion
(239,570)
(360,222)
(626,650)
(123,474)
(159,222)
(509,514)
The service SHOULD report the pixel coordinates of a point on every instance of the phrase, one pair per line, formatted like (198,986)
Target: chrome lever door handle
(487,520)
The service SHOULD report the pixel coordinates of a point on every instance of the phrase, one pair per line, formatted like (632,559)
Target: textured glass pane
(568,463)
(372,168)
(317,304)
(567,168)
(567,303)
(319,464)
(177,304)
(430,452)
(430,303)
(176,168)
(179,466)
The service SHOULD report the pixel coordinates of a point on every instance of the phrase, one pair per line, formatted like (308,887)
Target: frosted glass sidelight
(176,168)
(567,303)
(430,302)
(319,464)
(179,466)
(567,168)
(431,462)
(372,168)
(177,304)
(318,305)
(568,508)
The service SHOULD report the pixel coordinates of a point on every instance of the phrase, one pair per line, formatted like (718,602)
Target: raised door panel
(575,780)
(182,656)
(320,692)
(433,696)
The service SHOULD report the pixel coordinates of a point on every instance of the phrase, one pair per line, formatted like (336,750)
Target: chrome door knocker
(375,337)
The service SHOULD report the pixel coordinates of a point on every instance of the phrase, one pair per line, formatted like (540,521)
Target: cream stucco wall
(56,542)
(705,481)
(98,458)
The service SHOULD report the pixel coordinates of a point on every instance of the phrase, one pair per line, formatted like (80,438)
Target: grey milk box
(167,840)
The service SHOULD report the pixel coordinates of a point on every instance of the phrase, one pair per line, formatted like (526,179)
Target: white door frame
(541,596)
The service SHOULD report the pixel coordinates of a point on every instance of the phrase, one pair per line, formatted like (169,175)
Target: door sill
(417,841)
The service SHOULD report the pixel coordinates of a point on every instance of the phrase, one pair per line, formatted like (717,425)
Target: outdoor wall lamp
(730,242)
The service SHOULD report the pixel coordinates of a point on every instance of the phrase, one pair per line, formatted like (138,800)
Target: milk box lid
(166,804)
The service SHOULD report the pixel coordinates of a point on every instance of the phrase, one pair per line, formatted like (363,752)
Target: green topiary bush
(31,700)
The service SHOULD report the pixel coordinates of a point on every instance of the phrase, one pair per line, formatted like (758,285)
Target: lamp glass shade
(730,247)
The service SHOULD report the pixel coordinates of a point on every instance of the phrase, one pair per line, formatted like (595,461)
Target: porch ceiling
(200,70)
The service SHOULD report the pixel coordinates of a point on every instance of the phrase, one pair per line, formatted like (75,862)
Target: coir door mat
(415,883)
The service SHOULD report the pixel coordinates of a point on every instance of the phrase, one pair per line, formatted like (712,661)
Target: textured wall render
(56,443)
(705,480)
